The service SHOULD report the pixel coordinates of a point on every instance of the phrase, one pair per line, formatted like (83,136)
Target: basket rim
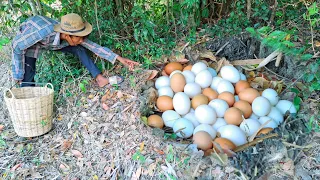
(51,91)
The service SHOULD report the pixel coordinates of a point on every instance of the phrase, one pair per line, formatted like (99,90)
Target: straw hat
(72,24)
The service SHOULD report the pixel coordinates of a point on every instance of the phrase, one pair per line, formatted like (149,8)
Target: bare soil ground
(89,141)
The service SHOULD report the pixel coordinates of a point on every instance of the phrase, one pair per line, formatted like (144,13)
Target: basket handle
(49,85)
(5,93)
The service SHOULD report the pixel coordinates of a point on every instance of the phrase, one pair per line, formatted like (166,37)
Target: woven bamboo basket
(30,109)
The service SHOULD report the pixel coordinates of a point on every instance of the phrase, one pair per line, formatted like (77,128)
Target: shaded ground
(89,142)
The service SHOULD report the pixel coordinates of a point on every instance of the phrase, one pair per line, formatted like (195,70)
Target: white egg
(276,115)
(205,114)
(215,82)
(198,67)
(234,134)
(212,71)
(254,116)
(261,106)
(225,85)
(207,128)
(192,89)
(165,91)
(174,72)
(189,76)
(250,126)
(271,124)
(192,117)
(236,98)
(181,103)
(220,106)
(271,95)
(219,123)
(243,77)
(169,117)
(285,105)
(204,79)
(183,128)
(230,73)
(162,81)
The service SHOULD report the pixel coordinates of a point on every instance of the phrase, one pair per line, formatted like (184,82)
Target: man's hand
(18,81)
(127,62)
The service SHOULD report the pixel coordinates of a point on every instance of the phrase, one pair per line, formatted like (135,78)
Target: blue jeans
(79,51)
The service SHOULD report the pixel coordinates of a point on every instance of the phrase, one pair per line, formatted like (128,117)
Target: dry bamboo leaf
(153,74)
(141,146)
(1,127)
(268,59)
(246,62)
(208,55)
(76,153)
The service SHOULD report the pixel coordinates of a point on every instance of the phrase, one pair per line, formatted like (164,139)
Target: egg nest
(254,158)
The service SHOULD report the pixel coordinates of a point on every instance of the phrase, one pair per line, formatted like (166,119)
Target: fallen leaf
(119,94)
(182,61)
(59,117)
(222,62)
(158,151)
(76,153)
(95,177)
(176,56)
(317,43)
(91,96)
(260,83)
(153,74)
(141,146)
(16,167)
(66,145)
(288,167)
(144,119)
(36,175)
(208,55)
(137,175)
(105,106)
(64,168)
(1,127)
(151,169)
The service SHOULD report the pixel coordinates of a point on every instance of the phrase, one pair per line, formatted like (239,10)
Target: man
(40,33)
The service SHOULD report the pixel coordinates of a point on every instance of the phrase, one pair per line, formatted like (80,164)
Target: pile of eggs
(198,103)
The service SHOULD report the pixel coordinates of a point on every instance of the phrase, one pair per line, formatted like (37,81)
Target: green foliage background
(144,30)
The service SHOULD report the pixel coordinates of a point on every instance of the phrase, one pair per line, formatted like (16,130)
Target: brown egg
(241,85)
(187,68)
(169,68)
(245,107)
(264,131)
(233,116)
(228,97)
(177,82)
(164,103)
(224,144)
(199,100)
(203,140)
(210,93)
(248,95)
(155,121)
